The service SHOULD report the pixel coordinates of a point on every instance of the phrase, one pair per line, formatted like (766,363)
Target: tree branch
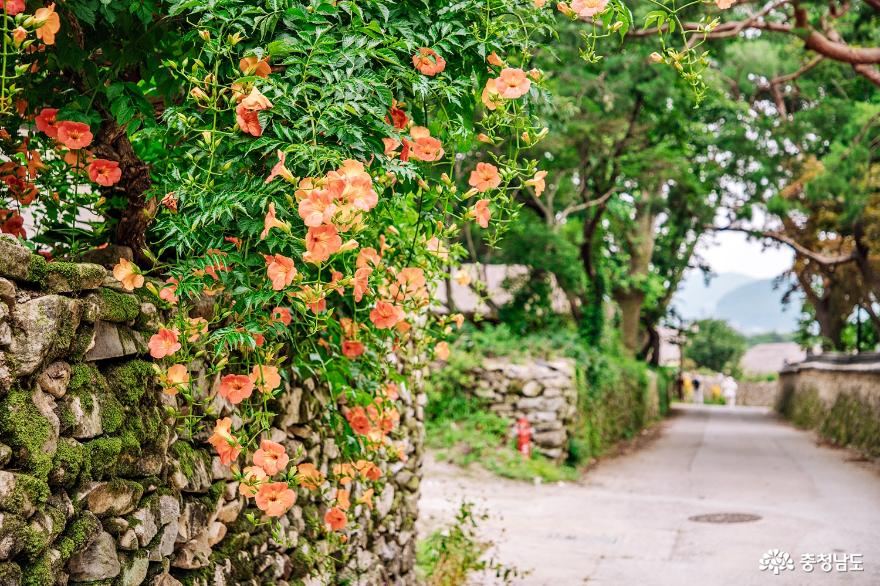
(869,72)
(728,29)
(824,44)
(587,204)
(796,74)
(799,249)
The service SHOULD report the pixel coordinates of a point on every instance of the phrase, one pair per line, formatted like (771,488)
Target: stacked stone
(544,392)
(839,397)
(757,393)
(96,485)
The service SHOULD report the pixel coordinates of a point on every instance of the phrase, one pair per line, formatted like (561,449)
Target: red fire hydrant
(524,437)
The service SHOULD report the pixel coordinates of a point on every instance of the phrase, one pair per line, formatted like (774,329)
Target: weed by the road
(448,555)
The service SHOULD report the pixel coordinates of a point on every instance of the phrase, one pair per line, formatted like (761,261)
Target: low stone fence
(757,393)
(542,391)
(97,487)
(838,396)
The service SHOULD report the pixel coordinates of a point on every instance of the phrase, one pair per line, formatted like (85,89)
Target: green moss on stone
(37,268)
(142,437)
(10,573)
(67,272)
(186,455)
(68,461)
(10,531)
(78,534)
(87,383)
(28,490)
(75,538)
(65,417)
(26,430)
(81,342)
(212,498)
(195,577)
(100,458)
(111,413)
(117,307)
(82,376)
(39,573)
(65,334)
(34,541)
(131,380)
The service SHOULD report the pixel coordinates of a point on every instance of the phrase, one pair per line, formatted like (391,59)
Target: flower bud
(350,245)
(656,57)
(18,36)
(205,34)
(198,94)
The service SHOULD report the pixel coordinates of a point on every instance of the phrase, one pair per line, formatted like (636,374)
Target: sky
(733,252)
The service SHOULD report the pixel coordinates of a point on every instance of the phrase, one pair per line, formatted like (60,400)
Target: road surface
(628,522)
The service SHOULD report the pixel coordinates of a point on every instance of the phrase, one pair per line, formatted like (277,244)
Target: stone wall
(542,391)
(757,393)
(838,398)
(96,486)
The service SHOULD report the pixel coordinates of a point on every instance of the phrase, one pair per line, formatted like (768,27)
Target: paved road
(627,523)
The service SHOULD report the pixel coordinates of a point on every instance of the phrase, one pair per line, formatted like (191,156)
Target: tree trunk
(112,143)
(591,318)
(863,262)
(630,297)
(830,317)
(651,350)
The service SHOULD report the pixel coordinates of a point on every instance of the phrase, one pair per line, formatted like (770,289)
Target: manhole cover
(725,518)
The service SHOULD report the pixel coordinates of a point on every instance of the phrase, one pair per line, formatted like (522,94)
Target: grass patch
(462,432)
(448,555)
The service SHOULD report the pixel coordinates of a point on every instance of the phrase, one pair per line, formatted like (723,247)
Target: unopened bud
(350,245)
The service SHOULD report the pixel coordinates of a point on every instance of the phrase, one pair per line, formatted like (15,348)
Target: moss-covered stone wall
(96,487)
(840,402)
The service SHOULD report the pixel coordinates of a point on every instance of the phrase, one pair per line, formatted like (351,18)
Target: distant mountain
(757,307)
(696,300)
(750,305)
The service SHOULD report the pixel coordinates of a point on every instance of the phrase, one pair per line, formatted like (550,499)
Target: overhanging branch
(799,249)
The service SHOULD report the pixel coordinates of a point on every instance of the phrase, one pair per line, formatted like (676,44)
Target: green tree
(806,158)
(632,185)
(715,345)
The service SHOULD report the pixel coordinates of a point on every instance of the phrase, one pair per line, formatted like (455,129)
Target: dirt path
(628,521)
